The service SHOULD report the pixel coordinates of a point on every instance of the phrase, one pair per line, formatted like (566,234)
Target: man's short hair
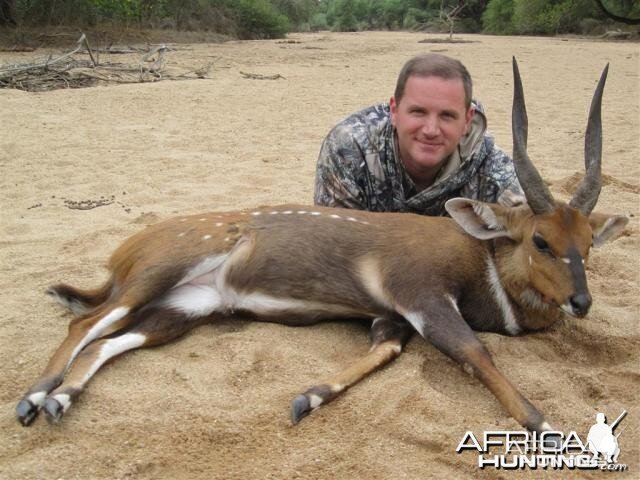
(434,65)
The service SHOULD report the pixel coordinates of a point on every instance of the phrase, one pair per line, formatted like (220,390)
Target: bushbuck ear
(606,227)
(478,219)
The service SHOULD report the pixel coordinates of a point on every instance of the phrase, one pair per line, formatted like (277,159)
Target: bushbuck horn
(538,196)
(588,191)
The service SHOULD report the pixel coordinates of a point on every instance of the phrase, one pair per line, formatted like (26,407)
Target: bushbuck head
(546,241)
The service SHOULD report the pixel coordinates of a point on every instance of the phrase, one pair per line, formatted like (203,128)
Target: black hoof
(54,410)
(553,441)
(26,412)
(300,408)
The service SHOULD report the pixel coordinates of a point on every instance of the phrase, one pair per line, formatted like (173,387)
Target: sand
(215,405)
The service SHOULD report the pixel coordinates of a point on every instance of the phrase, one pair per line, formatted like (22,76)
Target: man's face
(430,119)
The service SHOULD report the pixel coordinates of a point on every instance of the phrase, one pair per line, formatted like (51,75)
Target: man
(427,145)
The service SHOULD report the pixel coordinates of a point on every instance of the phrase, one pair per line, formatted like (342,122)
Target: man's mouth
(428,145)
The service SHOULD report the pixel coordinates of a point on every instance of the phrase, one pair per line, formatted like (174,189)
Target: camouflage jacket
(359,168)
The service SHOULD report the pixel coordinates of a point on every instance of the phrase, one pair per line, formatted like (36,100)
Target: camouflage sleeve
(496,181)
(504,173)
(339,167)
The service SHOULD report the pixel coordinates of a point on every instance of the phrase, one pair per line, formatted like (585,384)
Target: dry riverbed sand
(215,405)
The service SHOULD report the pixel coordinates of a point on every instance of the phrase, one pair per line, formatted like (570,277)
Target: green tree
(343,16)
(498,17)
(297,12)
(259,19)
(393,13)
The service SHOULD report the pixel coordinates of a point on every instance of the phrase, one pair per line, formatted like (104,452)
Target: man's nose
(430,126)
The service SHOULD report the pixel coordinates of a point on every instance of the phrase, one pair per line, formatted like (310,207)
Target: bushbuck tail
(488,268)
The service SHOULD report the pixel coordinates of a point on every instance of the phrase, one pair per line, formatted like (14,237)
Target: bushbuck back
(488,268)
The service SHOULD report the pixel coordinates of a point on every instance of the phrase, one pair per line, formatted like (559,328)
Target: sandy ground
(215,405)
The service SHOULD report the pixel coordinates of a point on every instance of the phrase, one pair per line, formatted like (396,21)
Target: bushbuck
(489,268)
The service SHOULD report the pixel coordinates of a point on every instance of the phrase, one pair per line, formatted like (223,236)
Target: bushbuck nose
(580,303)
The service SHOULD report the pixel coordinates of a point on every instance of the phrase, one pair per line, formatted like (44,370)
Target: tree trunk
(7,13)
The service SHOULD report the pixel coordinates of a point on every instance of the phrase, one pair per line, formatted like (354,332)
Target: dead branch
(70,71)
(257,76)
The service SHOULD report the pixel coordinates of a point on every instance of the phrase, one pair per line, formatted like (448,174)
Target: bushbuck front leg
(81,333)
(388,337)
(158,326)
(439,321)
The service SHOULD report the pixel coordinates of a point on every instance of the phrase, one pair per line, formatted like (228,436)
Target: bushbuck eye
(541,244)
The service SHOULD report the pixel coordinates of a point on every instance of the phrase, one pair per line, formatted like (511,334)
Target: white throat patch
(500,296)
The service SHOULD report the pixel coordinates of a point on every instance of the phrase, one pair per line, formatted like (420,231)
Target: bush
(49,12)
(591,26)
(410,22)
(319,22)
(259,19)
(468,25)
(498,17)
(346,23)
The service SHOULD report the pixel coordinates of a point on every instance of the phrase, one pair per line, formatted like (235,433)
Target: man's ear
(393,108)
(480,220)
(468,117)
(606,227)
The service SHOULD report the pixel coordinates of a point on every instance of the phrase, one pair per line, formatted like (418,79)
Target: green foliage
(623,8)
(529,17)
(394,13)
(537,16)
(319,22)
(298,12)
(259,19)
(498,17)
(344,15)
(273,18)
(50,12)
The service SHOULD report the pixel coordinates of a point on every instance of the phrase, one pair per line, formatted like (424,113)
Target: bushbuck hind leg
(388,337)
(81,332)
(156,326)
(439,321)
(80,301)
(115,314)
